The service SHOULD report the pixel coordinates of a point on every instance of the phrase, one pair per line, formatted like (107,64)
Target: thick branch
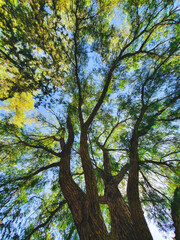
(90,179)
(103,94)
(106,159)
(119,177)
(66,147)
(70,133)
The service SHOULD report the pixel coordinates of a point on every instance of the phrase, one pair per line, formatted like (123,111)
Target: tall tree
(89,138)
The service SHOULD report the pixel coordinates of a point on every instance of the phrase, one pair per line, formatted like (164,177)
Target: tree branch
(39,147)
(112,130)
(114,65)
(116,149)
(55,164)
(47,220)
(103,94)
(160,163)
(71,232)
(76,68)
(148,183)
(119,177)
(169,119)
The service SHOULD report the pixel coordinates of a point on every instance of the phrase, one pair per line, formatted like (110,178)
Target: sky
(157,235)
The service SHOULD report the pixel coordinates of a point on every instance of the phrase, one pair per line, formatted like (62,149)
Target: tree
(175,212)
(99,149)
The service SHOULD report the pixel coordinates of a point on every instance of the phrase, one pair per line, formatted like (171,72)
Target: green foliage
(114,64)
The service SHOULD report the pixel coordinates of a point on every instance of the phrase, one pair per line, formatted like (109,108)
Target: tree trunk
(85,208)
(175,211)
(88,222)
(137,215)
(121,223)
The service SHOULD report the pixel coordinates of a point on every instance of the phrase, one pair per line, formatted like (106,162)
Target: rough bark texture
(175,211)
(133,193)
(85,207)
(121,223)
(87,219)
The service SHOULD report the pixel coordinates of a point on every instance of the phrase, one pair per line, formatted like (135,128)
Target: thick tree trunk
(121,223)
(85,208)
(175,211)
(87,220)
(88,223)
(137,215)
(92,213)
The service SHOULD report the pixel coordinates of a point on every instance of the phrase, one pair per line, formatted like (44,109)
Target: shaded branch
(112,130)
(76,68)
(148,183)
(55,164)
(168,154)
(47,220)
(160,163)
(119,177)
(116,149)
(169,119)
(39,147)
(171,101)
(71,232)
(43,138)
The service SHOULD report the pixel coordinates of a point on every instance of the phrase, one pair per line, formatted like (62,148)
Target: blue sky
(157,235)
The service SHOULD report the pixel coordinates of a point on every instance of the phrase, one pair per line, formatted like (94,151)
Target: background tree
(100,146)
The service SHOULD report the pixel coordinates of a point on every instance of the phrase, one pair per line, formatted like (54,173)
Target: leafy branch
(61,204)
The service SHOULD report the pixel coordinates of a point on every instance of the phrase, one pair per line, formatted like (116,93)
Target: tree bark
(88,220)
(93,222)
(175,212)
(85,208)
(133,193)
(121,223)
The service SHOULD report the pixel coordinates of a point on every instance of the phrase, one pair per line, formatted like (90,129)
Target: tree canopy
(89,119)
